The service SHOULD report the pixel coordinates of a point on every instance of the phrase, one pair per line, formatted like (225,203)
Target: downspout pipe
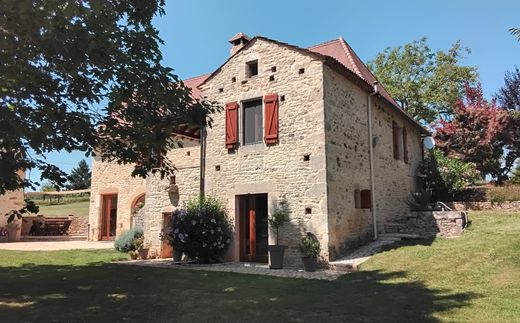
(371,158)
(202,161)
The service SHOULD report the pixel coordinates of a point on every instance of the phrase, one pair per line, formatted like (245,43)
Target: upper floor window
(400,142)
(252,68)
(252,122)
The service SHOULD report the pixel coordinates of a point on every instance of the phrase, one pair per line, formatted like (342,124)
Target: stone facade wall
(12,200)
(111,178)
(395,180)
(348,167)
(278,170)
(159,201)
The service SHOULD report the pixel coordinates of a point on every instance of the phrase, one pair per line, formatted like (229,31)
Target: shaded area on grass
(89,290)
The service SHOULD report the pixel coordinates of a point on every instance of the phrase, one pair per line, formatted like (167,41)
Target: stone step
(55,238)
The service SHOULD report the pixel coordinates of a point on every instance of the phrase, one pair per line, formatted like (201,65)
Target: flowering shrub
(446,176)
(127,241)
(202,230)
(3,232)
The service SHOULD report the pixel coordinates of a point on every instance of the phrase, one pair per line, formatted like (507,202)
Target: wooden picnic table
(50,227)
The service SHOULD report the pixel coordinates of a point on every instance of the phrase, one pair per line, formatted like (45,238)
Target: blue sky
(195,32)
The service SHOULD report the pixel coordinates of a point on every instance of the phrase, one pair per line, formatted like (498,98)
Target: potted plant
(3,235)
(142,247)
(310,248)
(278,218)
(133,254)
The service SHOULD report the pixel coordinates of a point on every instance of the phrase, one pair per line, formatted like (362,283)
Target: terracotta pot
(309,264)
(177,255)
(276,256)
(133,255)
(143,253)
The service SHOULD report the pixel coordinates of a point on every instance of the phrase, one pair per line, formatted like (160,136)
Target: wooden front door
(108,217)
(253,227)
(166,248)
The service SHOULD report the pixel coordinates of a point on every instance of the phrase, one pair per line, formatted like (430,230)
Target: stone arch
(136,209)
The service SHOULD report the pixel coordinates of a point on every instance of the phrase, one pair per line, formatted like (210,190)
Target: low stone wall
(513,206)
(431,224)
(78,226)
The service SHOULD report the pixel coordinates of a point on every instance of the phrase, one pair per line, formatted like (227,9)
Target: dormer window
(252,68)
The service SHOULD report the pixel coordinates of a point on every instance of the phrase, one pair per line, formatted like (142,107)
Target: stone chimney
(238,41)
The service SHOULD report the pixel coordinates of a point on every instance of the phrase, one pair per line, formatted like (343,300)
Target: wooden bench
(52,227)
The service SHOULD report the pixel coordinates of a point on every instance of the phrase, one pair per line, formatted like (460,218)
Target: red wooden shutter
(271,118)
(395,137)
(405,146)
(231,125)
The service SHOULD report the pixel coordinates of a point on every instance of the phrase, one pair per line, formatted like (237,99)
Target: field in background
(62,205)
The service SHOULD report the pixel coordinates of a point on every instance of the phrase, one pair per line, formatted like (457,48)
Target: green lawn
(473,278)
(79,209)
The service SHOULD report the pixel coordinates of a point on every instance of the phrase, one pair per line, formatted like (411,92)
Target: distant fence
(56,195)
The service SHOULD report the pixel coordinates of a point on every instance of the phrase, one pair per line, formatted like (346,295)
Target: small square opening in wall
(217,168)
(221,90)
(308,210)
(252,68)
(301,71)
(271,78)
(188,153)
(233,79)
(306,157)
(282,98)
(273,69)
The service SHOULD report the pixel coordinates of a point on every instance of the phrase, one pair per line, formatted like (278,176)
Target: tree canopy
(509,94)
(79,177)
(424,83)
(87,75)
(482,133)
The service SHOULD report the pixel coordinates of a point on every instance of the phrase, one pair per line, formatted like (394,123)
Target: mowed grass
(79,209)
(471,279)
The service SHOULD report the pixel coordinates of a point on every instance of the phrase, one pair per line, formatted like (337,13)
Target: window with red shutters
(271,118)
(405,145)
(395,139)
(231,125)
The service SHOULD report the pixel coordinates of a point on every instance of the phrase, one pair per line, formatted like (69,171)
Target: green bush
(126,241)
(446,176)
(310,246)
(202,231)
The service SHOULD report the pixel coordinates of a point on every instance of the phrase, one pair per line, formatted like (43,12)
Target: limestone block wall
(112,178)
(348,167)
(12,200)
(394,179)
(347,162)
(159,200)
(278,170)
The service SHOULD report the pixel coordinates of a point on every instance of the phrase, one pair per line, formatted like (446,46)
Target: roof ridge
(348,50)
(195,77)
(323,44)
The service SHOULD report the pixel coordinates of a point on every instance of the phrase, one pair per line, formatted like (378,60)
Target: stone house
(296,126)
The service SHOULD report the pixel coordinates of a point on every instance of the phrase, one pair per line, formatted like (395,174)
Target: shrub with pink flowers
(202,230)
(3,232)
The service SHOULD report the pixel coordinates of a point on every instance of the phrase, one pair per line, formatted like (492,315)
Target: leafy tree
(515,32)
(424,83)
(482,133)
(48,186)
(87,75)
(509,94)
(79,177)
